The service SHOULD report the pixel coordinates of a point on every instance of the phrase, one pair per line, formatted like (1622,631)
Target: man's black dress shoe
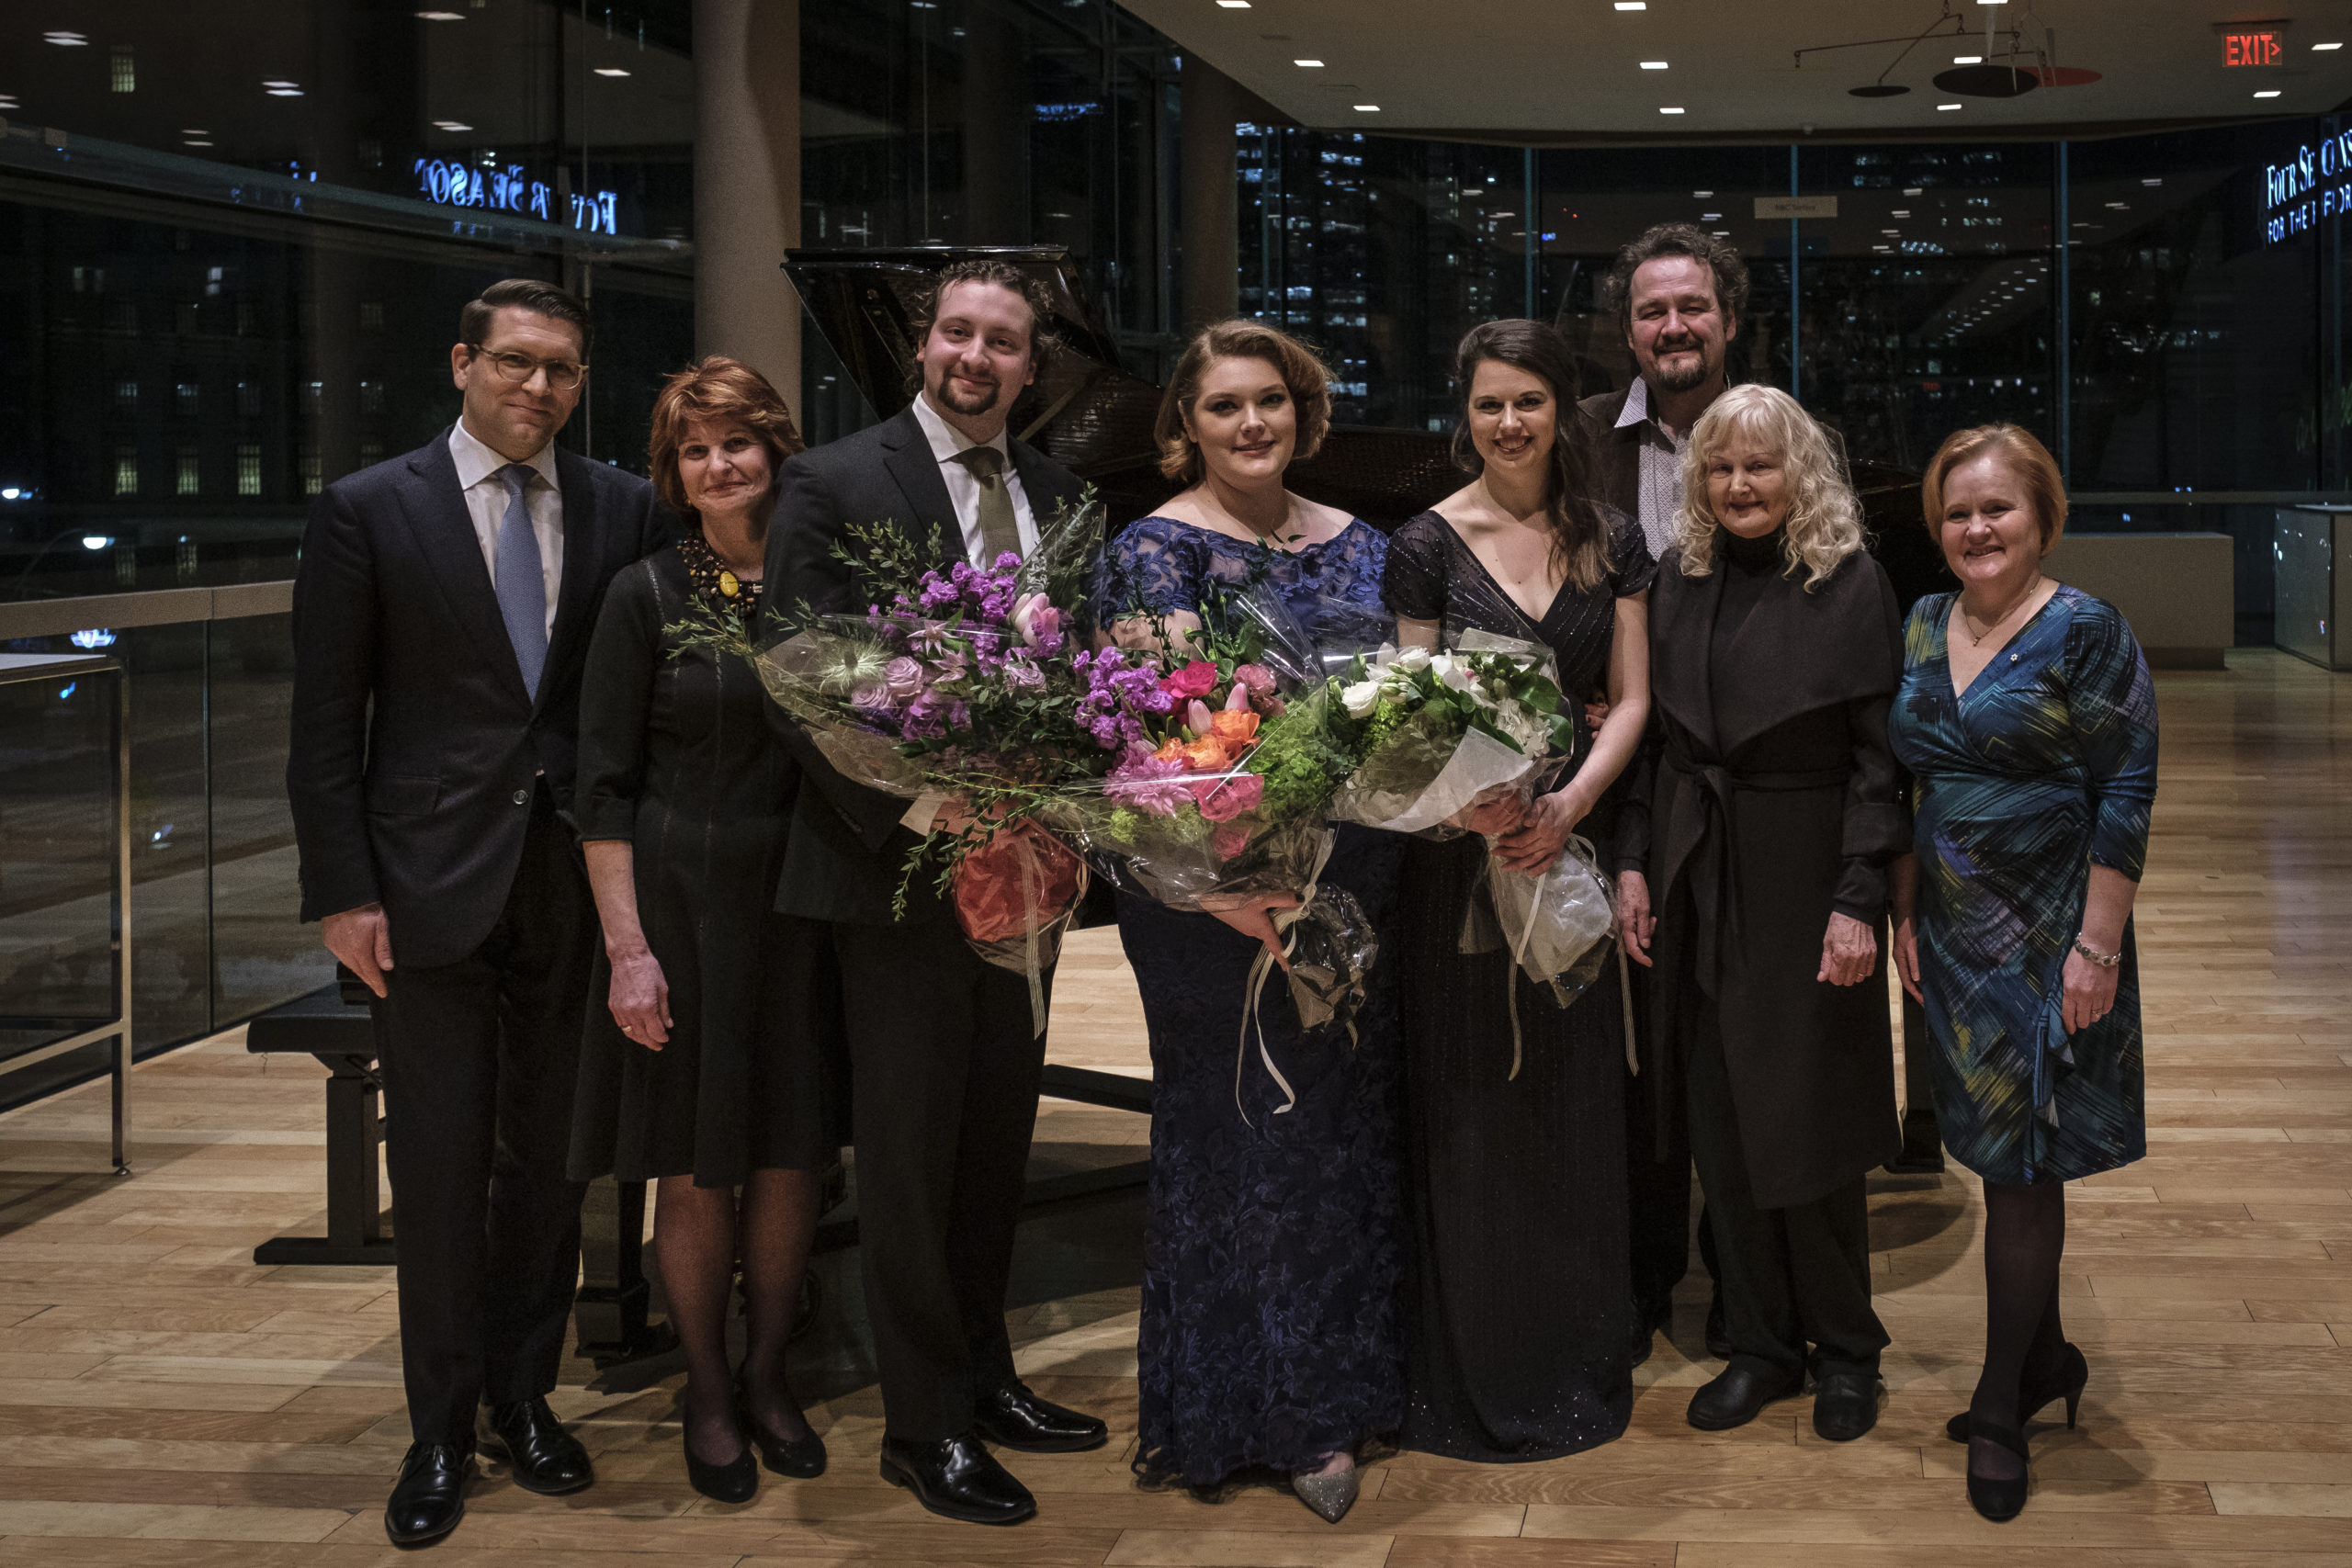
(1737,1394)
(957,1478)
(545,1458)
(1016,1418)
(1718,1331)
(428,1499)
(1844,1406)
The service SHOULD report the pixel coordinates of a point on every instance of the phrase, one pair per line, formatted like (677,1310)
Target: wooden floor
(163,1401)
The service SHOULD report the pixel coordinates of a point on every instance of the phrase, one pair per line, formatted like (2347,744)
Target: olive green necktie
(999,530)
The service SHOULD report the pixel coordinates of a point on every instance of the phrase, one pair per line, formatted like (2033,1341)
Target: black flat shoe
(545,1457)
(429,1497)
(2074,1374)
(957,1478)
(1844,1406)
(737,1481)
(1737,1394)
(802,1458)
(1014,1418)
(1718,1332)
(2000,1501)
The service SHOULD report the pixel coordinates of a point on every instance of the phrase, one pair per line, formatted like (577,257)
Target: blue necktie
(522,582)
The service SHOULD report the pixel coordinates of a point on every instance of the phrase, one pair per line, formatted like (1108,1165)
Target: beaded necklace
(713,580)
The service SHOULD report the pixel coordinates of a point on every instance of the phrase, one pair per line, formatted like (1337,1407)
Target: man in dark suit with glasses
(441,619)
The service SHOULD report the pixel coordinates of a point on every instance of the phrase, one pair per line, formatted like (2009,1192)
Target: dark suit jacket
(847,849)
(1616,454)
(413,736)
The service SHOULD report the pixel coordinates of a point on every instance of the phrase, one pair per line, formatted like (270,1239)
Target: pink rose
(1197,678)
(1222,800)
(903,677)
(1229,840)
(1256,677)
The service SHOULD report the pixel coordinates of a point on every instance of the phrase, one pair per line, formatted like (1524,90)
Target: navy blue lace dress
(1270,1248)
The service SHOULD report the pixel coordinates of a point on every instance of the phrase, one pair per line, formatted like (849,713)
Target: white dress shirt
(486,498)
(962,490)
(1660,467)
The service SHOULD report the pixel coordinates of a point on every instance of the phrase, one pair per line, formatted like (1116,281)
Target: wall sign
(447,183)
(2315,183)
(2251,48)
(1796,206)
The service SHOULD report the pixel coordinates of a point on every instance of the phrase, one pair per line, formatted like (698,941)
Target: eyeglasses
(563,375)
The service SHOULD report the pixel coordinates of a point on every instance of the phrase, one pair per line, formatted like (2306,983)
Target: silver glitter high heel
(1330,1496)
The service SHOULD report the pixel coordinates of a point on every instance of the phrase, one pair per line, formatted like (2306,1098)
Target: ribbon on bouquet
(1260,970)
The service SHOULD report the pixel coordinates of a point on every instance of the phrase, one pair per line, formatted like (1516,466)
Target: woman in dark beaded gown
(1517,1282)
(1268,1344)
(704,1073)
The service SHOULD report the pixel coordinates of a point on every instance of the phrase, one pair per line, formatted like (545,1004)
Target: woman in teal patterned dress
(2027,716)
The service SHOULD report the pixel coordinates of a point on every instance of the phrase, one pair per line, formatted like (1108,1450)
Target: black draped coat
(1770,802)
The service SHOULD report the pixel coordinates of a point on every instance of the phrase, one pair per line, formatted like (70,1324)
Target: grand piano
(1092,415)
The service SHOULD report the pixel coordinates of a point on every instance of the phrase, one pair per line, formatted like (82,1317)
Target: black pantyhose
(696,1232)
(2025,1235)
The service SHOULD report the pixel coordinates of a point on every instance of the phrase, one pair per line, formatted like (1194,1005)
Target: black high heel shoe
(803,1459)
(2001,1501)
(737,1481)
(2073,1372)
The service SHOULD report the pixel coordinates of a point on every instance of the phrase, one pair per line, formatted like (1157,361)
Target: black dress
(676,756)
(1517,1283)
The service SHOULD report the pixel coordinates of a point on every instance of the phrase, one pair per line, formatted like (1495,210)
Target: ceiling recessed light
(1968,60)
(64,40)
(1901,212)
(1233,5)
(286,92)
(439,16)
(1664,110)
(1710,218)
(2119,206)
(1367,108)
(1310,64)
(1911,190)
(1703,195)
(2268,93)
(2323,48)
(1939,107)
(1723,233)
(1653,64)
(610,71)
(451,125)
(192,130)
(2153,180)
(1632,4)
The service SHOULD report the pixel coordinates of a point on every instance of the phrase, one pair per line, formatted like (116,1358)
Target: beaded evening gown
(1517,1280)
(1269,1333)
(2043,768)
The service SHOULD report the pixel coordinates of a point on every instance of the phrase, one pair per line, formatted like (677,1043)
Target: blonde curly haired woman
(1761,895)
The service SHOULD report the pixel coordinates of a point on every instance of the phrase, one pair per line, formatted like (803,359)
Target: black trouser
(479,1060)
(946,1068)
(1791,1276)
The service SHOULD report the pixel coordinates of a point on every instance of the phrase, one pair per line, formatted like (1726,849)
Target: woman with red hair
(704,1073)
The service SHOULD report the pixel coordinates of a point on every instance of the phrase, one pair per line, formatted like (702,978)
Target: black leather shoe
(1737,1394)
(738,1480)
(957,1479)
(1016,1418)
(1718,1332)
(801,1458)
(428,1499)
(2073,1373)
(1844,1406)
(545,1458)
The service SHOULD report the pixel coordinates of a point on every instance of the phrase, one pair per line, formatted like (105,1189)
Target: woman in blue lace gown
(1269,1342)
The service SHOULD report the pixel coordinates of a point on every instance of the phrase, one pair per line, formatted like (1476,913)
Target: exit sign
(2250,48)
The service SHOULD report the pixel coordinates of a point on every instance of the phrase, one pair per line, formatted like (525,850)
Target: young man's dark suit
(944,1060)
(424,776)
(1658,1179)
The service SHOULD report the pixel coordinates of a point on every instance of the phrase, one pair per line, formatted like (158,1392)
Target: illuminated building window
(311,481)
(372,315)
(126,397)
(249,468)
(186,479)
(124,76)
(125,471)
(187,399)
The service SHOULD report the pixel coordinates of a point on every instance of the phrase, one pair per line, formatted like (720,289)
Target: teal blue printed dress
(2045,767)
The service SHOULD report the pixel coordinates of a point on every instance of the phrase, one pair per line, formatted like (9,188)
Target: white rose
(1361,698)
(1441,666)
(1411,658)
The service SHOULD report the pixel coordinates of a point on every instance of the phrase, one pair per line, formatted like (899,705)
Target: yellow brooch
(727,584)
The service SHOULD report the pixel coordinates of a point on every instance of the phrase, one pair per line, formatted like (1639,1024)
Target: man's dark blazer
(415,745)
(1616,454)
(847,848)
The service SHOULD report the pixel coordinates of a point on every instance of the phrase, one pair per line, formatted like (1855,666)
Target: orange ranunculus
(1170,751)
(1208,755)
(1236,726)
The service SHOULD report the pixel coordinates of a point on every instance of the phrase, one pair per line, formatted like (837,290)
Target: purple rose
(903,678)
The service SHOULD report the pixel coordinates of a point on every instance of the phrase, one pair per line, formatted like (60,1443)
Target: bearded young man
(945,1062)
(1678,292)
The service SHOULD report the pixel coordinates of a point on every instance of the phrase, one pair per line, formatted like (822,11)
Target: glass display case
(65,867)
(2313,590)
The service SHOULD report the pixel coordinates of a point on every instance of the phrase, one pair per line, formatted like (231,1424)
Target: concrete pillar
(747,185)
(1210,104)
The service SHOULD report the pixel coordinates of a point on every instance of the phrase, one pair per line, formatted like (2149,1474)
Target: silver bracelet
(2104,960)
